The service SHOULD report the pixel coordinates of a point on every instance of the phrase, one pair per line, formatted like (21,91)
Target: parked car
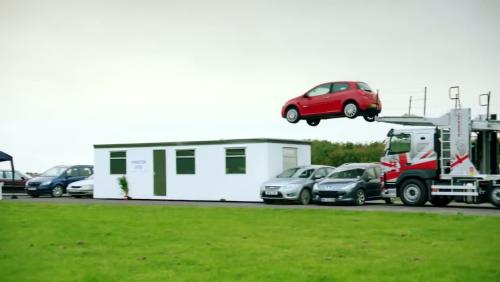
(334,99)
(55,180)
(82,188)
(351,183)
(16,185)
(294,184)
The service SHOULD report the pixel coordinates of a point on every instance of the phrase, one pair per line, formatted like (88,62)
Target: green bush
(333,153)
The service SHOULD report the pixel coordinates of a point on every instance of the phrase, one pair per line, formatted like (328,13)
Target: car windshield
(347,173)
(55,171)
(288,173)
(296,172)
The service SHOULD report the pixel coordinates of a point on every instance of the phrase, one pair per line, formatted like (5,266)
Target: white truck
(453,157)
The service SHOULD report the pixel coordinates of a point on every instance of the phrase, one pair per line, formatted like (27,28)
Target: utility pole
(425,99)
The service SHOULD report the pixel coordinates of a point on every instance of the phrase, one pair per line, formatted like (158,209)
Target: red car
(334,99)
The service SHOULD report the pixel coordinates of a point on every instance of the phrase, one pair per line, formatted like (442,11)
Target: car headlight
(45,182)
(315,187)
(87,186)
(349,187)
(293,186)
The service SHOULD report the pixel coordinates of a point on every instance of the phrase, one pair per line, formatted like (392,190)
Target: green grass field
(59,242)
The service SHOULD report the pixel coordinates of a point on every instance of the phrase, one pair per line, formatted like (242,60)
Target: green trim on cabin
(209,142)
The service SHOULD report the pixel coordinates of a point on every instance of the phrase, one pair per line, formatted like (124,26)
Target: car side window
(72,172)
(319,90)
(370,173)
(85,171)
(320,173)
(306,173)
(341,86)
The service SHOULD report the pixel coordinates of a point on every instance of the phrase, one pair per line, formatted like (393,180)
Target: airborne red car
(333,99)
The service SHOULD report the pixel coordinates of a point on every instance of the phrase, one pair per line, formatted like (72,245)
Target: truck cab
(408,153)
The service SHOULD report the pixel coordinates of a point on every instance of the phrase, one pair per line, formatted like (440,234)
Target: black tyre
(389,201)
(351,110)
(440,201)
(292,115)
(495,197)
(305,197)
(313,122)
(360,197)
(369,118)
(413,192)
(57,191)
(267,201)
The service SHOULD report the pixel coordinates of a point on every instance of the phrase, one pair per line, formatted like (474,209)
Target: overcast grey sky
(78,73)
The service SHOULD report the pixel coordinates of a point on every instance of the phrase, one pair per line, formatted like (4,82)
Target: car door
(71,175)
(340,93)
(7,179)
(315,102)
(372,183)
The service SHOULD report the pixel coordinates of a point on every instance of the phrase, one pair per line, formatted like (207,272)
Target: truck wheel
(57,191)
(360,197)
(389,201)
(413,192)
(305,197)
(495,196)
(440,201)
(292,115)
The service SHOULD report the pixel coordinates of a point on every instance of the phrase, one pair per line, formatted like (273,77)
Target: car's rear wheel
(369,118)
(305,197)
(360,197)
(292,115)
(57,191)
(351,110)
(313,122)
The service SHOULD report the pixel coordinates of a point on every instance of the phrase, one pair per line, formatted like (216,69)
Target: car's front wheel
(292,115)
(57,191)
(305,197)
(351,110)
(313,122)
(360,197)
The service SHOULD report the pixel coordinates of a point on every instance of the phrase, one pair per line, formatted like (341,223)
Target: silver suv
(294,184)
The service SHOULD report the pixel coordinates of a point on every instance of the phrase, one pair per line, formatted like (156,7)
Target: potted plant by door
(122,181)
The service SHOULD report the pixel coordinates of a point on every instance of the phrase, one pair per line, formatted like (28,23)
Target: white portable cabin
(219,170)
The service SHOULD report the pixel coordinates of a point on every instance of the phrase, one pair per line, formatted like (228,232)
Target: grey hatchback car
(294,184)
(350,183)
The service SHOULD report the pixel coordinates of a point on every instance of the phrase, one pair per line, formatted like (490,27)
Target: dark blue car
(55,180)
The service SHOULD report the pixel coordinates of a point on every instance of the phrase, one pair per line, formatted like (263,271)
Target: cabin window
(235,161)
(185,161)
(118,162)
